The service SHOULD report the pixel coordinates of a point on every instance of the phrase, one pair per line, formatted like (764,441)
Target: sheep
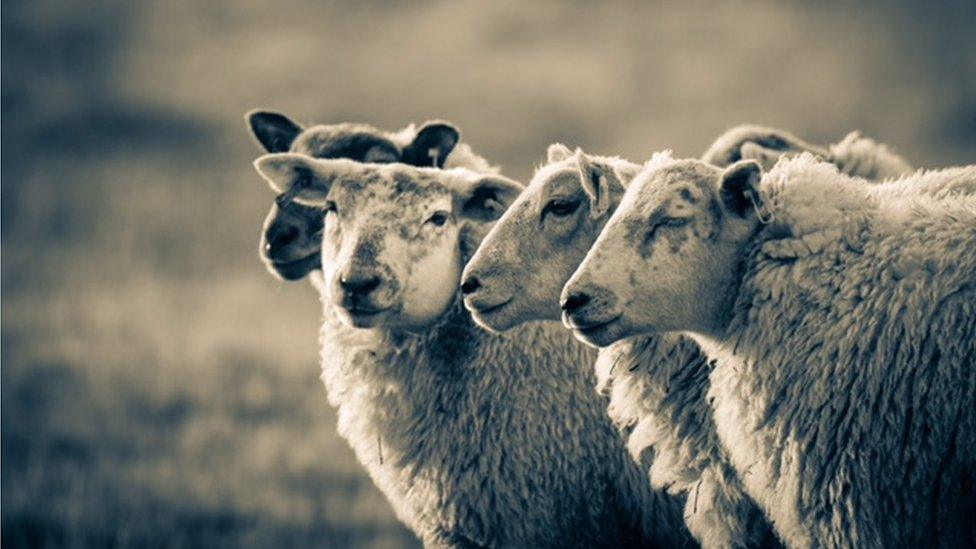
(854,154)
(841,316)
(657,393)
(476,439)
(521,267)
(290,239)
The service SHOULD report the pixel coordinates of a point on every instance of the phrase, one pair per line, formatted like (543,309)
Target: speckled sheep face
(520,269)
(291,237)
(394,237)
(668,257)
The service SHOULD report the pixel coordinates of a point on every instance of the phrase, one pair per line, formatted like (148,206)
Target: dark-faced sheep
(291,237)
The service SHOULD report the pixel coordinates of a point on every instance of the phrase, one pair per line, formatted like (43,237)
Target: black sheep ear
(739,187)
(274,131)
(484,198)
(434,141)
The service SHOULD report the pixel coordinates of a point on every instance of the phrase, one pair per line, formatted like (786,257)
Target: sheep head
(394,237)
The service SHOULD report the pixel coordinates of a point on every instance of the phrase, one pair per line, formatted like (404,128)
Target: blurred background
(159,388)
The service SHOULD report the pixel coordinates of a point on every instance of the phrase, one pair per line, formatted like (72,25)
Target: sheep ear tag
(763,212)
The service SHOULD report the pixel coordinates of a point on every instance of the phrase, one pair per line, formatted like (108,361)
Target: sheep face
(393,236)
(291,238)
(520,269)
(668,257)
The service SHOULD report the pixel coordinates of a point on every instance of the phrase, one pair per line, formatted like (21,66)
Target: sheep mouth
(589,327)
(361,316)
(597,334)
(365,311)
(485,310)
(294,269)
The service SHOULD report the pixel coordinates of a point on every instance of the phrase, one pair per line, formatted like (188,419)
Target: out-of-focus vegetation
(158,388)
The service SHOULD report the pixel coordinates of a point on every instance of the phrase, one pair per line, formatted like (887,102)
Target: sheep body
(540,464)
(658,397)
(844,384)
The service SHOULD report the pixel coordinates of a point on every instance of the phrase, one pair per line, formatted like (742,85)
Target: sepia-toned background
(158,387)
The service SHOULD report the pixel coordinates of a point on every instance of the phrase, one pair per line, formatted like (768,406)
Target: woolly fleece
(480,439)
(844,384)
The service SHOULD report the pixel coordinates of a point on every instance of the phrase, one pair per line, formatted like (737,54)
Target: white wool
(496,440)
(843,386)
(863,157)
(658,160)
(463,157)
(404,137)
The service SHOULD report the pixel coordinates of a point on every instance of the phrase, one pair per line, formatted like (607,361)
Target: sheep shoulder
(846,376)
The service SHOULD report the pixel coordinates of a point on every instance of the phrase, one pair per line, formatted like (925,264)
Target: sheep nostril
(574,302)
(280,239)
(470,285)
(359,285)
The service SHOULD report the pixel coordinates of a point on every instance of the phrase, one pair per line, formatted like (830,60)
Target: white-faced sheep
(842,318)
(476,439)
(657,384)
(291,237)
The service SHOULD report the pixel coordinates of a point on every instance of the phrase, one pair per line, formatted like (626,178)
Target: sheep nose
(574,301)
(470,285)
(279,238)
(359,285)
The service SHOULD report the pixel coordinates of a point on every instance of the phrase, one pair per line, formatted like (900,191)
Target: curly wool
(491,440)
(657,386)
(844,385)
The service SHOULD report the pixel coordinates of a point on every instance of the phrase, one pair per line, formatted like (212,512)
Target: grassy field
(158,387)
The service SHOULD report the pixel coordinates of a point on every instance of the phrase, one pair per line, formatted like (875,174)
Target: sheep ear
(598,181)
(300,177)
(433,142)
(558,152)
(274,131)
(486,197)
(739,187)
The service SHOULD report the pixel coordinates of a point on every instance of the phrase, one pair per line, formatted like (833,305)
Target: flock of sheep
(786,336)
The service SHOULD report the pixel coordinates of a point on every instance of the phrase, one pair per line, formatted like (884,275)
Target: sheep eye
(560,207)
(664,223)
(330,207)
(438,219)
(671,222)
